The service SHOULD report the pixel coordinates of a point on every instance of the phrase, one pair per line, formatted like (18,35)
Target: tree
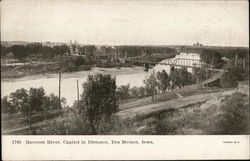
(6,106)
(134,92)
(20,100)
(163,81)
(46,105)
(46,52)
(51,102)
(19,51)
(150,85)
(123,92)
(69,64)
(36,96)
(10,56)
(181,77)
(4,51)
(141,92)
(212,57)
(231,76)
(186,77)
(33,48)
(60,50)
(176,78)
(98,100)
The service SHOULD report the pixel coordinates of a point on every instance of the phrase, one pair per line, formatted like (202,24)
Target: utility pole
(30,115)
(201,74)
(153,96)
(77,91)
(59,89)
(199,78)
(212,65)
(236,59)
(244,63)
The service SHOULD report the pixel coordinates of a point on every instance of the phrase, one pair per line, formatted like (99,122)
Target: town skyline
(53,43)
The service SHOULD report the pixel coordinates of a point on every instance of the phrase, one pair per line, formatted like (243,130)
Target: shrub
(233,117)
(6,106)
(123,92)
(72,124)
(117,126)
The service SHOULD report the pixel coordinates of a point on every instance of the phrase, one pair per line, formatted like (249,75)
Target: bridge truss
(181,62)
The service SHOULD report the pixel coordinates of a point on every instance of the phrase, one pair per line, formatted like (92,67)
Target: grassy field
(14,121)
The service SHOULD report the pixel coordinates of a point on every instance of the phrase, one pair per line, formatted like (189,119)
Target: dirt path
(174,103)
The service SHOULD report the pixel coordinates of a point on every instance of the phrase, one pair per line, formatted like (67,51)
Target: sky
(133,22)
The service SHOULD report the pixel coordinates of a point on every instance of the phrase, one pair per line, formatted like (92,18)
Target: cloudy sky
(134,22)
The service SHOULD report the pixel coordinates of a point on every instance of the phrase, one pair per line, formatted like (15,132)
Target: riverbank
(45,68)
(76,74)
(28,70)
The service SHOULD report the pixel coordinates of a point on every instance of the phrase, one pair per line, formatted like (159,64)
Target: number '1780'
(16,142)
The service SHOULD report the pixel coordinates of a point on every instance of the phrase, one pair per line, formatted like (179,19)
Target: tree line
(34,100)
(212,56)
(46,52)
(161,82)
(33,50)
(141,50)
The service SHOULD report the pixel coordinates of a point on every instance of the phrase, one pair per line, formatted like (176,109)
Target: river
(133,76)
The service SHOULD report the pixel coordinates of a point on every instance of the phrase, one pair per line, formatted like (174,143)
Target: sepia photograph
(139,67)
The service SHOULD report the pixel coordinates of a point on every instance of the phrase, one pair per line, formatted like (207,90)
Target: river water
(133,76)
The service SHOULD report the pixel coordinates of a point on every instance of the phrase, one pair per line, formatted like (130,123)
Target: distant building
(74,48)
(197,44)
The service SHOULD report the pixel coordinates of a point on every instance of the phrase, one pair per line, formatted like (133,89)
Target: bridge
(181,62)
